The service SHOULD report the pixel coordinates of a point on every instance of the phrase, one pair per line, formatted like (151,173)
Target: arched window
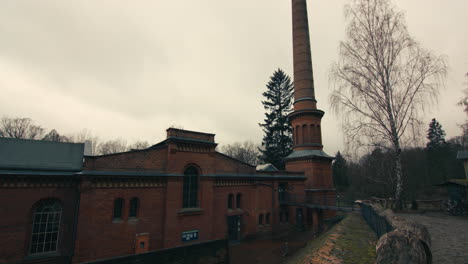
(46,226)
(298,135)
(134,205)
(267,219)
(313,134)
(230,200)
(239,200)
(260,219)
(190,198)
(118,206)
(294,137)
(305,135)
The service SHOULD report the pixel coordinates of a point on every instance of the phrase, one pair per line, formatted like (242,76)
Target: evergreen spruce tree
(437,153)
(277,141)
(435,135)
(340,175)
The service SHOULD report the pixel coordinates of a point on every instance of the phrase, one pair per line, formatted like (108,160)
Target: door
(282,192)
(234,228)
(299,217)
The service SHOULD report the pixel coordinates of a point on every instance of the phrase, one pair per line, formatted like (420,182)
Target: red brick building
(59,206)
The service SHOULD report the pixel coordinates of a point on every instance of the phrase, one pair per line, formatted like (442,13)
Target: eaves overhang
(308,153)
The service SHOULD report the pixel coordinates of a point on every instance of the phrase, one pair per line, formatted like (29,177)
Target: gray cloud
(131,69)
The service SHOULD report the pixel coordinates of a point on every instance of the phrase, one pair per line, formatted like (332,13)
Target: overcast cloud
(131,69)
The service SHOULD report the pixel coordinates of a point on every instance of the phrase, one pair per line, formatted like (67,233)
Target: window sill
(133,219)
(190,211)
(42,256)
(117,220)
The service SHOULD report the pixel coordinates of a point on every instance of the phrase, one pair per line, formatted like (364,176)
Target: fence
(378,223)
(323,200)
(211,252)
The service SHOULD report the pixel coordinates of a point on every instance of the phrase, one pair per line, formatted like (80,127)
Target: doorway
(299,217)
(234,228)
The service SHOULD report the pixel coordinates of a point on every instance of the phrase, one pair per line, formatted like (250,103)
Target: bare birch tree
(383,79)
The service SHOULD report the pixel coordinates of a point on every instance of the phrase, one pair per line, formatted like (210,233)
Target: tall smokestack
(304,94)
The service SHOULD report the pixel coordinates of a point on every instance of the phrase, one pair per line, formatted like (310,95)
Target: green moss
(352,239)
(356,244)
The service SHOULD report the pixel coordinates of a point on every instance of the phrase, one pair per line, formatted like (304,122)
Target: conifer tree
(340,175)
(435,135)
(277,140)
(437,152)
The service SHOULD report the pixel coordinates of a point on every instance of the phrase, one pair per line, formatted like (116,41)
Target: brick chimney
(306,118)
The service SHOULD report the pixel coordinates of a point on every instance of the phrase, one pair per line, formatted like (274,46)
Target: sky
(131,69)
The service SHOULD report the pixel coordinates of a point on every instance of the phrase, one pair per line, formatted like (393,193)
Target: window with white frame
(46,226)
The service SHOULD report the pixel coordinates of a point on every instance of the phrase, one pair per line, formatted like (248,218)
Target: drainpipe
(75,222)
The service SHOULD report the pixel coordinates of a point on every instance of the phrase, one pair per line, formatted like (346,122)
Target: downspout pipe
(75,222)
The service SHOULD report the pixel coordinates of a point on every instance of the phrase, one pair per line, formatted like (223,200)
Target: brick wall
(100,236)
(16,209)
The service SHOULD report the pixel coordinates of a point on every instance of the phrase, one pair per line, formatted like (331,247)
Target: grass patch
(350,241)
(356,243)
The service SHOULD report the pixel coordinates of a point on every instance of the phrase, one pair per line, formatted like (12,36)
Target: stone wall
(408,242)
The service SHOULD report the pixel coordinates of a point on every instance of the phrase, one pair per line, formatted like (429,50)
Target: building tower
(305,120)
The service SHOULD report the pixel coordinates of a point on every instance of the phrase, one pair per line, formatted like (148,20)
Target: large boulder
(401,247)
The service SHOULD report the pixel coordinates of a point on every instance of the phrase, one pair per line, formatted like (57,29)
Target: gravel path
(449,235)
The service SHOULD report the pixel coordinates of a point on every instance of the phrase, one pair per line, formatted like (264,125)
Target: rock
(400,247)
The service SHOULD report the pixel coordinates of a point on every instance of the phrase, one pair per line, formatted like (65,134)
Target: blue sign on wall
(189,235)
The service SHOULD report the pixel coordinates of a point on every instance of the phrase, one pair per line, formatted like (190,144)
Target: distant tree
(277,139)
(23,128)
(383,79)
(435,135)
(437,153)
(86,135)
(53,135)
(246,151)
(112,146)
(377,169)
(139,145)
(340,172)
(463,139)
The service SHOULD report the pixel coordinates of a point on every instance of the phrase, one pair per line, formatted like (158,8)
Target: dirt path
(449,236)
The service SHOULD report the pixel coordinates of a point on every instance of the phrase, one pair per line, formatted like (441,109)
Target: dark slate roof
(162,174)
(462,154)
(36,173)
(22,154)
(259,176)
(320,190)
(192,140)
(308,153)
(121,173)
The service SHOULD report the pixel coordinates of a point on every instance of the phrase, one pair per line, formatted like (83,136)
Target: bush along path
(350,241)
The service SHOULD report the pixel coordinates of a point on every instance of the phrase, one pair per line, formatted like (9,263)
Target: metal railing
(378,223)
(330,200)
